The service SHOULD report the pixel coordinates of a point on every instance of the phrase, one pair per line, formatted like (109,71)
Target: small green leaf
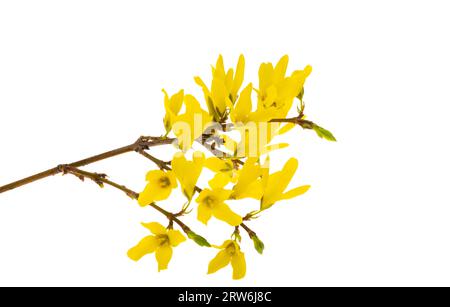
(259,245)
(198,239)
(324,133)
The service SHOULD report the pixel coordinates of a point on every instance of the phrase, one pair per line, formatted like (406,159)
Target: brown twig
(219,153)
(143,143)
(250,232)
(305,124)
(163,165)
(101,179)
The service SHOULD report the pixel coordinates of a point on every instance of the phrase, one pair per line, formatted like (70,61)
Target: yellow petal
(277,183)
(199,160)
(176,101)
(153,193)
(219,181)
(238,77)
(219,70)
(155,228)
(144,247)
(254,190)
(221,260)
(154,175)
(219,94)
(286,128)
(173,179)
(229,79)
(247,175)
(239,265)
(243,105)
(188,172)
(280,69)
(217,165)
(265,168)
(163,255)
(224,244)
(265,76)
(190,125)
(205,89)
(203,213)
(175,237)
(295,192)
(224,213)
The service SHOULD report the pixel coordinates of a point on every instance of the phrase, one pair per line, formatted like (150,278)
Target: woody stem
(143,143)
(305,124)
(101,179)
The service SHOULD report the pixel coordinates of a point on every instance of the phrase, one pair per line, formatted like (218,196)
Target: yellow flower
(224,87)
(188,172)
(224,169)
(230,253)
(160,243)
(190,125)
(241,112)
(256,138)
(276,183)
(212,203)
(172,106)
(159,187)
(249,183)
(276,91)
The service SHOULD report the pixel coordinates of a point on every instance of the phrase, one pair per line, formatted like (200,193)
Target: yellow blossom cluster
(236,124)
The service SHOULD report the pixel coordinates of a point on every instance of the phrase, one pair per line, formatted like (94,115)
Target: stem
(100,179)
(163,165)
(219,153)
(250,232)
(144,142)
(305,124)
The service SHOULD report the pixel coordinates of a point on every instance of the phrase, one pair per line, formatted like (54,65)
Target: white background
(81,77)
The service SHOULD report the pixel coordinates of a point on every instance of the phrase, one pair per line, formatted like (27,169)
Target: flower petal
(172,179)
(221,260)
(155,228)
(238,76)
(144,247)
(219,181)
(277,183)
(243,106)
(188,172)
(154,175)
(176,102)
(216,165)
(286,128)
(295,192)
(224,213)
(280,69)
(239,265)
(163,255)
(147,196)
(204,213)
(175,237)
(254,190)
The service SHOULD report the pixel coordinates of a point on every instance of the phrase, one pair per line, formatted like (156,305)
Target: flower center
(209,201)
(163,240)
(164,182)
(231,249)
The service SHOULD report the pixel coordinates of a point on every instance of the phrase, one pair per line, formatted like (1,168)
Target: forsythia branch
(240,137)
(101,180)
(141,144)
